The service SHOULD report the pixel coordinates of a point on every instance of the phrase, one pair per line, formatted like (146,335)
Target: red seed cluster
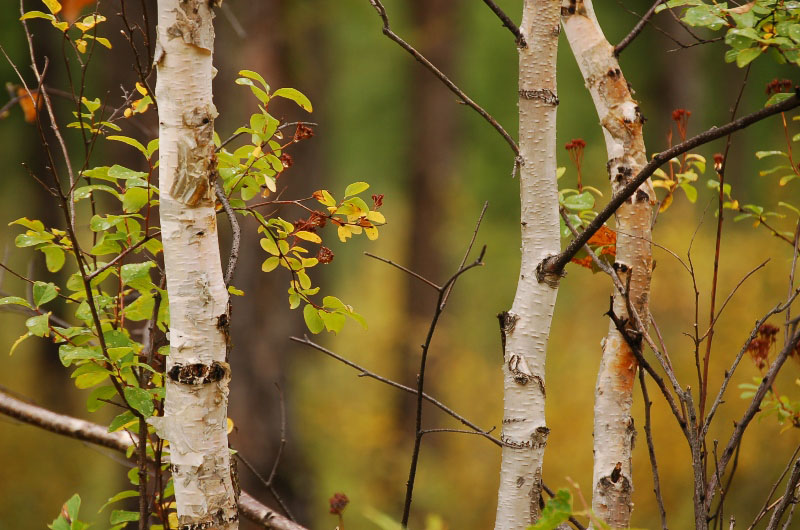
(338,503)
(778,85)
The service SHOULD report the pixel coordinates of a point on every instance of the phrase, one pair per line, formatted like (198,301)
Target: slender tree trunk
(525,328)
(195,409)
(621,119)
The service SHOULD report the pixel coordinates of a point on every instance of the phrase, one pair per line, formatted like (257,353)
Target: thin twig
(507,22)
(93,433)
(729,373)
(652,450)
(637,28)
(404,269)
(788,497)
(442,77)
(469,249)
(235,236)
(749,414)
(556,264)
(765,508)
(363,372)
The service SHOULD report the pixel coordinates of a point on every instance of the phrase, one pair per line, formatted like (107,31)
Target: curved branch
(555,264)
(120,441)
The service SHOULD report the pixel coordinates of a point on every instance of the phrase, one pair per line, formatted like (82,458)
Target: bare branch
(236,233)
(120,441)
(637,29)
(556,264)
(507,22)
(442,77)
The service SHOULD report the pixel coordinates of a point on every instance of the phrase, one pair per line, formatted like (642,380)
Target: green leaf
(746,56)
(140,399)
(126,494)
(137,275)
(90,379)
(764,154)
(37,14)
(333,321)
(123,516)
(125,419)
(132,142)
(294,95)
(43,293)
(35,225)
(556,511)
(313,321)
(777,98)
(253,75)
(134,199)
(581,201)
(18,342)
(16,300)
(355,188)
(691,191)
(39,325)
(270,263)
(95,399)
(68,354)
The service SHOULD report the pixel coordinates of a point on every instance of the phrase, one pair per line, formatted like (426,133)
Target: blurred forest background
(383,119)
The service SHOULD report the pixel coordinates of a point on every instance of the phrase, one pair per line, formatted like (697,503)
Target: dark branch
(507,22)
(556,264)
(120,441)
(443,78)
(637,28)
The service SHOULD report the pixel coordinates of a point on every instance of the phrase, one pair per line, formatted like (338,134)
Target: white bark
(120,441)
(622,121)
(195,409)
(526,326)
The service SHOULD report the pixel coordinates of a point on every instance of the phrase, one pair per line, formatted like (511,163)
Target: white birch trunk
(195,409)
(622,121)
(526,326)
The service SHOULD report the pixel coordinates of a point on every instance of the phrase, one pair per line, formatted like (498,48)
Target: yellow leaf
(308,236)
(53,5)
(665,204)
(344,232)
(81,45)
(141,89)
(372,232)
(376,217)
(230,425)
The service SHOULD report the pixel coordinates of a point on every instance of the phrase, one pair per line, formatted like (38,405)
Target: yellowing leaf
(376,217)
(371,232)
(355,188)
(53,5)
(81,45)
(308,236)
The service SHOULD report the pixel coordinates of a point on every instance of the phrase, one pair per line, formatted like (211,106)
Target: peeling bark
(526,327)
(195,408)
(622,121)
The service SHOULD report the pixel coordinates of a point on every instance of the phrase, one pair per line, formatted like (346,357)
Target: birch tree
(622,122)
(526,326)
(195,407)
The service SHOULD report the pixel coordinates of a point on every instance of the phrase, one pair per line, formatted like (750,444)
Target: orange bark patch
(624,367)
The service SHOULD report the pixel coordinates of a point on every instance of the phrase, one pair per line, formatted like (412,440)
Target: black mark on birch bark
(198,373)
(544,94)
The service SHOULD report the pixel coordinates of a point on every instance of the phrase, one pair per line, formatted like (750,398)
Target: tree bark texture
(121,441)
(621,119)
(195,408)
(525,328)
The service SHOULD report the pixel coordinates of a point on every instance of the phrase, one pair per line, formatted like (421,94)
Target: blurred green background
(383,119)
